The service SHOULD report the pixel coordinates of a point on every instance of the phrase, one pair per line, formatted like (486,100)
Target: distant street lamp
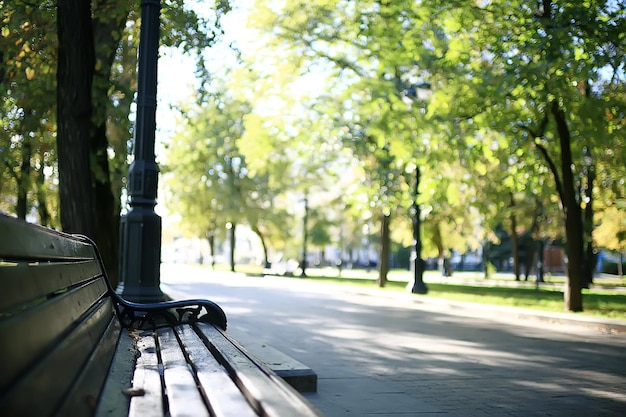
(416,285)
(305,237)
(140,234)
(231,239)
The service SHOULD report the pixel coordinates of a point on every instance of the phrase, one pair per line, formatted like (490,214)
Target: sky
(176,79)
(177,82)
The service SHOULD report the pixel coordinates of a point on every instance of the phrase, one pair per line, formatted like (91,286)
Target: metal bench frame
(69,345)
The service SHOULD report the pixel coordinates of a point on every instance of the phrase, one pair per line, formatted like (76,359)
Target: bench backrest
(58,329)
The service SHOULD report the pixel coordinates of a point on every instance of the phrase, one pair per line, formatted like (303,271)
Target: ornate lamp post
(417,285)
(140,257)
(305,236)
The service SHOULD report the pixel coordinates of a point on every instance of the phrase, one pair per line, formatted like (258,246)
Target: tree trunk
(74,127)
(210,234)
(23,183)
(107,220)
(108,26)
(385,242)
(486,271)
(266,262)
(573,220)
(514,239)
(42,205)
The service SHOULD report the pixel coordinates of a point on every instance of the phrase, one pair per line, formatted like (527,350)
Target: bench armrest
(168,313)
(154,315)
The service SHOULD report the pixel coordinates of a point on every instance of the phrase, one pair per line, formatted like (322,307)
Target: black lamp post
(231,239)
(140,248)
(417,284)
(305,236)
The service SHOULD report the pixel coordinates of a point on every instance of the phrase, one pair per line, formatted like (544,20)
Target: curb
(295,373)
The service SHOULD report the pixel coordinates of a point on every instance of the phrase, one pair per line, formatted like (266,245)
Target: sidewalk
(487,310)
(395,354)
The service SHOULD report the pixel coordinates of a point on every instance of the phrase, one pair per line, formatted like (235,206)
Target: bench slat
(147,378)
(39,389)
(224,398)
(23,282)
(183,396)
(20,240)
(82,398)
(29,334)
(113,401)
(64,352)
(270,395)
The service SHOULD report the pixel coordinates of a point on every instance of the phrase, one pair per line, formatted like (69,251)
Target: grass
(606,298)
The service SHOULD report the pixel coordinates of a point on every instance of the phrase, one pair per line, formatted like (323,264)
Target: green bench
(69,346)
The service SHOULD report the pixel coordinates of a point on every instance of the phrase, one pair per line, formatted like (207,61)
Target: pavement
(382,353)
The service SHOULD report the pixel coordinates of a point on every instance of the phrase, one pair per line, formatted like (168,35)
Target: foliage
(599,302)
(28,45)
(517,92)
(207,177)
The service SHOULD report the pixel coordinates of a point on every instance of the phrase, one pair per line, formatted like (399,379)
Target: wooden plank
(270,395)
(147,399)
(295,373)
(21,240)
(30,334)
(83,396)
(224,398)
(24,282)
(114,401)
(48,380)
(183,396)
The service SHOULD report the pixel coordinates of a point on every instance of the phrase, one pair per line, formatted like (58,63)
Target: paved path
(391,355)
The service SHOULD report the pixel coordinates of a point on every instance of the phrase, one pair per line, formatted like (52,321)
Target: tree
(27,110)
(76,60)
(535,71)
(100,105)
(317,32)
(209,185)
(542,65)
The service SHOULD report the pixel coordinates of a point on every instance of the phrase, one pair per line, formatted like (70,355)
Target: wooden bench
(69,346)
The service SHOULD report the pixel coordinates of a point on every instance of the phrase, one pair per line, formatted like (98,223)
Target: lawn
(606,298)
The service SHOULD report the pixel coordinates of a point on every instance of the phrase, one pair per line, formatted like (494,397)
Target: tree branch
(541,129)
(342,63)
(539,134)
(557,178)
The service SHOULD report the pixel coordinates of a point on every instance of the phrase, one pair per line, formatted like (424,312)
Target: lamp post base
(417,288)
(416,285)
(138,294)
(140,263)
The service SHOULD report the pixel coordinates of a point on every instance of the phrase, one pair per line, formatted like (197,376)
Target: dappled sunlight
(546,386)
(603,385)
(613,393)
(413,346)
(441,371)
